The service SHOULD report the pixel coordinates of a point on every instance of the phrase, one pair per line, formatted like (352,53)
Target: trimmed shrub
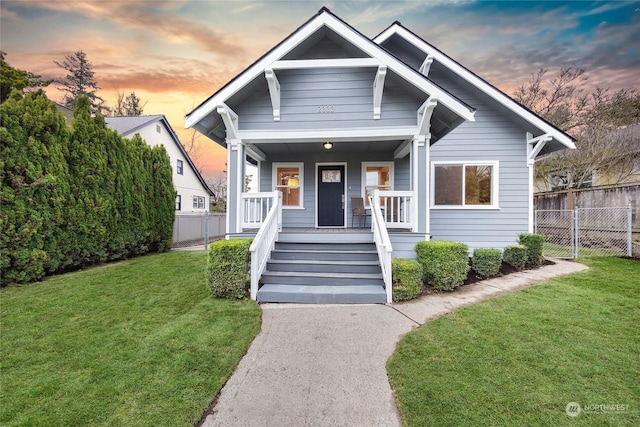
(533,243)
(486,262)
(407,279)
(445,265)
(228,268)
(515,256)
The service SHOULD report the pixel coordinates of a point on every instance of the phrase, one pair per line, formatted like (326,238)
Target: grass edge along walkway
(520,358)
(140,342)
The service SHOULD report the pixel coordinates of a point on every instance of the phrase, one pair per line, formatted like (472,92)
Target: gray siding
(306,217)
(492,137)
(348,91)
(404,244)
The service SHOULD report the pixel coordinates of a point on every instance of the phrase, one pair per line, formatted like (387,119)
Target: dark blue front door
(331,196)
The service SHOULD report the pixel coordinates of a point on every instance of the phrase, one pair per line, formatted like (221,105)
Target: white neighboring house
(193,194)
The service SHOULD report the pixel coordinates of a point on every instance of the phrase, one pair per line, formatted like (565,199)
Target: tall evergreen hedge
(75,196)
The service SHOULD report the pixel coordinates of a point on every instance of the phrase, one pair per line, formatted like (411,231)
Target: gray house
(365,147)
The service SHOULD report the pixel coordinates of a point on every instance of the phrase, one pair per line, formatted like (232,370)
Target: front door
(331,195)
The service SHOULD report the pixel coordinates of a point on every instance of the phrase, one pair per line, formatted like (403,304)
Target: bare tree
(218,184)
(128,105)
(193,149)
(600,121)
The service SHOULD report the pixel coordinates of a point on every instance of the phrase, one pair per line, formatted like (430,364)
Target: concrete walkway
(325,365)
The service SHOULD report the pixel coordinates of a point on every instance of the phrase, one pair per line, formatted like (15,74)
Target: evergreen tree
(79,81)
(14,78)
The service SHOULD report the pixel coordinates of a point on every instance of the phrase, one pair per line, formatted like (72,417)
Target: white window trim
(300,166)
(363,177)
(495,199)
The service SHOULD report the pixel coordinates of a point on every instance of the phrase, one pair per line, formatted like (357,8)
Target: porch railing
(264,241)
(397,208)
(382,241)
(255,207)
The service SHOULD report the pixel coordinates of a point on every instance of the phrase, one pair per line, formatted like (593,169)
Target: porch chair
(358,210)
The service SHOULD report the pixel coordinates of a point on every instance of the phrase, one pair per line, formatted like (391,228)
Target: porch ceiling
(338,147)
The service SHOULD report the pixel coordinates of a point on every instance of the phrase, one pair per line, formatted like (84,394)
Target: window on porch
(376,176)
(465,185)
(288,179)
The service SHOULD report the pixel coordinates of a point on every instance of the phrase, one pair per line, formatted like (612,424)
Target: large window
(376,176)
(288,179)
(464,185)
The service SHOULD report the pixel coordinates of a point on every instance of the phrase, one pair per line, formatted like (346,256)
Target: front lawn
(521,358)
(140,342)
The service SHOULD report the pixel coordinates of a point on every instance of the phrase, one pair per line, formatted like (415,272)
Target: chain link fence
(585,232)
(198,229)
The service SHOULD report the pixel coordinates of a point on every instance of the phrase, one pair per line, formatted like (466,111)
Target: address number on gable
(324,109)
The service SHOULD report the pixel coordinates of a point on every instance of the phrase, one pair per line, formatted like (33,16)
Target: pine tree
(80,81)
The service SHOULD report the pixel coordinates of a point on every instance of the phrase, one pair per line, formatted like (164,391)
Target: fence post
(629,231)
(206,230)
(576,232)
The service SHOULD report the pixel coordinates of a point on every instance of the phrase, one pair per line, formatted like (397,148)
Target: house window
(198,202)
(376,176)
(180,168)
(158,129)
(178,202)
(288,179)
(471,185)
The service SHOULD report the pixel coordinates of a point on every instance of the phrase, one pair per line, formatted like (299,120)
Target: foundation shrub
(533,243)
(486,262)
(515,256)
(445,265)
(228,268)
(407,279)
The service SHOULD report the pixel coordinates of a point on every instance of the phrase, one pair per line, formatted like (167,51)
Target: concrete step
(304,294)
(320,246)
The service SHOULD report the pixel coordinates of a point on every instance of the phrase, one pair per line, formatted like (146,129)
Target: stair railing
(264,242)
(382,241)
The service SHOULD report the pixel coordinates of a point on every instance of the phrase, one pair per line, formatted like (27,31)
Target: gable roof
(502,98)
(129,125)
(324,18)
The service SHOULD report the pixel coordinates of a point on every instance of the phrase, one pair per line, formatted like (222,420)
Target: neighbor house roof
(129,125)
(505,100)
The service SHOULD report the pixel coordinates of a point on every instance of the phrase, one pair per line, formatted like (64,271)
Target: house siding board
(492,137)
(348,91)
(404,244)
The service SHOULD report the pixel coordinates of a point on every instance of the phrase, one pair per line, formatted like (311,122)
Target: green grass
(521,358)
(140,342)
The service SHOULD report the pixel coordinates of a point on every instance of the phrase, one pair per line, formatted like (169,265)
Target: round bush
(515,256)
(486,262)
(533,243)
(445,265)
(407,279)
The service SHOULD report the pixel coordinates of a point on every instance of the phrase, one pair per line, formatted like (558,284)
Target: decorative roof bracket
(426,65)
(535,145)
(424,115)
(274,91)
(378,86)
(230,119)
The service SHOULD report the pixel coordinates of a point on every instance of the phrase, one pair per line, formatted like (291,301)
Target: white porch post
(420,184)
(235,184)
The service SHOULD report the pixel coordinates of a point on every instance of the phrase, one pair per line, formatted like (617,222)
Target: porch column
(420,160)
(236,155)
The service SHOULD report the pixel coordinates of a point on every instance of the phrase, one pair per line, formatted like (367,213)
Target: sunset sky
(174,54)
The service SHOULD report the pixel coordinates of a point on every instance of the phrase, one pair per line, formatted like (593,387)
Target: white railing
(398,209)
(264,242)
(383,243)
(255,207)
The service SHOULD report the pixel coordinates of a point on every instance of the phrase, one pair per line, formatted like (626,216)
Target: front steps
(323,269)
